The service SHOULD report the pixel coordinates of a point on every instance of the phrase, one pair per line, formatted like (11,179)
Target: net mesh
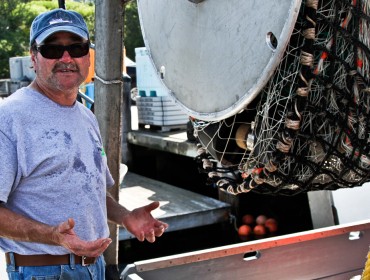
(307,129)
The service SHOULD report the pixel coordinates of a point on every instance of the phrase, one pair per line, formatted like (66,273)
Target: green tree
(13,37)
(132,32)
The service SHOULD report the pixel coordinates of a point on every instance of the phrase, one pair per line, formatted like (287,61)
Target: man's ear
(33,58)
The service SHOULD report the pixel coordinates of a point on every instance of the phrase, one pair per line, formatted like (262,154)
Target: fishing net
(308,128)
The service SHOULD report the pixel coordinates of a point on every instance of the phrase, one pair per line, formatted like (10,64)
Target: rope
(111,82)
(309,124)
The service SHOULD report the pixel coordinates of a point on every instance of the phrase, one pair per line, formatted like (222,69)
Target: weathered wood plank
(108,94)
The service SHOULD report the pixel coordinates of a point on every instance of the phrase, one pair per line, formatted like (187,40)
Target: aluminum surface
(216,55)
(327,253)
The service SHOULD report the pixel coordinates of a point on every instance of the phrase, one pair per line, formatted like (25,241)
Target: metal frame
(337,252)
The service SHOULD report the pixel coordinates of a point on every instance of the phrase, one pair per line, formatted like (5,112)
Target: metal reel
(215,56)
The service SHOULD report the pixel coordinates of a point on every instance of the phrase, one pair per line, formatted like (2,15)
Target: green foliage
(132,32)
(13,36)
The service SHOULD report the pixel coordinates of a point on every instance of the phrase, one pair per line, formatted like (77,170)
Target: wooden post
(108,99)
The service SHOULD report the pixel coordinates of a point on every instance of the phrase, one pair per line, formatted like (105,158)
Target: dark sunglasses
(56,51)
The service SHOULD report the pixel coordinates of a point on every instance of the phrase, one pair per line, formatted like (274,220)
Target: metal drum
(216,55)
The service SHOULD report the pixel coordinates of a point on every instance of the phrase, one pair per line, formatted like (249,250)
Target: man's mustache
(65,66)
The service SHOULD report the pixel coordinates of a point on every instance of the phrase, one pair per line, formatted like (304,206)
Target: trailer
(331,253)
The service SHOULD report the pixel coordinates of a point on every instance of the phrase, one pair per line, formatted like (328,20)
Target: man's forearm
(17,227)
(115,211)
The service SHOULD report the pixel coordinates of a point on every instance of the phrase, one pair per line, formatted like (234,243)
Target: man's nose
(66,56)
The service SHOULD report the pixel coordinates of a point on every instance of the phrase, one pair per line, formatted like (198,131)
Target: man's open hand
(65,236)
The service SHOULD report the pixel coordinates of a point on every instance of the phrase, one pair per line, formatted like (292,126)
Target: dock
(180,208)
(171,141)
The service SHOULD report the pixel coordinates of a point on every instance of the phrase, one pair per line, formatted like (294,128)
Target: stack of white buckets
(154,105)
(21,72)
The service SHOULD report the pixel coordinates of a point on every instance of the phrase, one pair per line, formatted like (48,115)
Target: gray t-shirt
(52,167)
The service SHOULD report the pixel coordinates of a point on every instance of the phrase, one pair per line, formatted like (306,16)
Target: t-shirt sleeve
(8,166)
(110,180)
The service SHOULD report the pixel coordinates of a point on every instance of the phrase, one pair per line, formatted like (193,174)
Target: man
(54,177)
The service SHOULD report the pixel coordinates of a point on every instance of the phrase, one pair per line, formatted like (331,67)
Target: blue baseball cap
(57,20)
